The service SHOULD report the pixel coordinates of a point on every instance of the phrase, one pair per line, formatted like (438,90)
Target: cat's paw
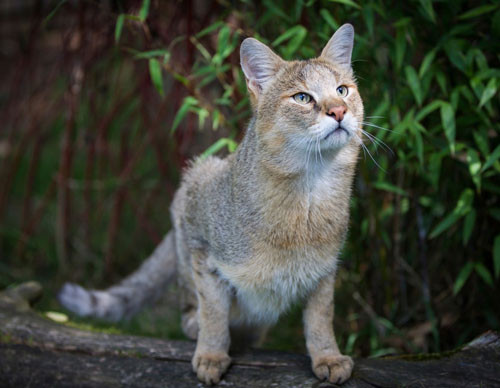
(336,368)
(210,366)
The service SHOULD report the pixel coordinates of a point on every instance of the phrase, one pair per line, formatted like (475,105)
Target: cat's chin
(336,139)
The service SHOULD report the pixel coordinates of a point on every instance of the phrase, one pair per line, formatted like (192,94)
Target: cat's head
(304,106)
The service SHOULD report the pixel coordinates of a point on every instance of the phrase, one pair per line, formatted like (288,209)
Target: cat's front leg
(211,358)
(327,361)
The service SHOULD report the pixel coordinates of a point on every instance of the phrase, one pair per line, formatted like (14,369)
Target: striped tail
(129,296)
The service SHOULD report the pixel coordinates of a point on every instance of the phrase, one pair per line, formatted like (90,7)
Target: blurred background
(102,103)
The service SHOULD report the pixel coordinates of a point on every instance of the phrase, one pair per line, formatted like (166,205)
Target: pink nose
(337,112)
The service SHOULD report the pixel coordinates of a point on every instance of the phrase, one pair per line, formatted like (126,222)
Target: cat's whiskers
(377,126)
(365,148)
(377,142)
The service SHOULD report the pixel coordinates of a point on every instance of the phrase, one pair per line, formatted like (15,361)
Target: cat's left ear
(339,48)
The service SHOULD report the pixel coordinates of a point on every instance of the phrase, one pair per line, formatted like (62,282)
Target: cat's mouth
(337,131)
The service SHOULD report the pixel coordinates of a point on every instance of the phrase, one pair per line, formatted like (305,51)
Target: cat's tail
(134,292)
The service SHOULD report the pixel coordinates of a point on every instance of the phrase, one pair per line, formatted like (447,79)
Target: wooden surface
(37,352)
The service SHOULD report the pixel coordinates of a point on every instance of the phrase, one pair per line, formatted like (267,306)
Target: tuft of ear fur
(259,63)
(339,48)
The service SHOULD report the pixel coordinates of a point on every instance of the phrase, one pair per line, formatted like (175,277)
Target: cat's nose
(337,112)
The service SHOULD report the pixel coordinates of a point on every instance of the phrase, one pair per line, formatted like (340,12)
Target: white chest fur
(271,281)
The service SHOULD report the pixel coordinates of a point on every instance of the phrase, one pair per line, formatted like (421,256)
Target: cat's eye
(302,98)
(342,91)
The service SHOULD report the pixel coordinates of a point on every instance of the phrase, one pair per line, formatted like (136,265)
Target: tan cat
(262,228)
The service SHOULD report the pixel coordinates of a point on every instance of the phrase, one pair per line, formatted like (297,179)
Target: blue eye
(302,98)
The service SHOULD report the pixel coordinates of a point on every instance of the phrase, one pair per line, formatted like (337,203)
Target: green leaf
(428,9)
(428,109)
(462,277)
(209,29)
(469,221)
(271,6)
(488,92)
(144,11)
(427,62)
(216,116)
(400,47)
(478,11)
(329,19)
(462,207)
(474,166)
(156,75)
(295,36)
(52,13)
(483,272)
(445,224)
(492,158)
(386,186)
(448,122)
(218,145)
(350,3)
(119,27)
(414,82)
(152,54)
(187,104)
(224,48)
(496,256)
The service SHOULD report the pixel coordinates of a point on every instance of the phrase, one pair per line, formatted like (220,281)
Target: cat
(262,228)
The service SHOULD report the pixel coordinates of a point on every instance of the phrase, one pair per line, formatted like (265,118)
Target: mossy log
(37,352)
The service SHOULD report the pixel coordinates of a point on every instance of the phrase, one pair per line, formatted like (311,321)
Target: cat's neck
(293,208)
(301,171)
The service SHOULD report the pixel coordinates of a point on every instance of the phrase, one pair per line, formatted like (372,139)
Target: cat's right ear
(259,63)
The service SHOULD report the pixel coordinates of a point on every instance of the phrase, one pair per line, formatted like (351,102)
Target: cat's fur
(263,227)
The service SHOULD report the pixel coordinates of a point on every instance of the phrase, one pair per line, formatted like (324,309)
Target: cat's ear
(259,63)
(339,48)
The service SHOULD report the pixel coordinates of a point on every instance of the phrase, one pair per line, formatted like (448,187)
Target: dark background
(104,102)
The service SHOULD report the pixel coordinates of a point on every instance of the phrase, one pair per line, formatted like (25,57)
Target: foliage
(422,265)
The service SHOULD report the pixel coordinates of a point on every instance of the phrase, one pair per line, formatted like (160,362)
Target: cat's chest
(269,282)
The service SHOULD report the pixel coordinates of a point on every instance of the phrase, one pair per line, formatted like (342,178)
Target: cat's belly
(269,283)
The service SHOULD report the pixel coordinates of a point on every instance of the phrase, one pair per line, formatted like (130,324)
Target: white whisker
(369,153)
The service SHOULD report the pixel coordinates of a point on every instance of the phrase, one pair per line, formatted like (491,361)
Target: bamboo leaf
(119,27)
(428,109)
(295,36)
(474,166)
(448,122)
(488,92)
(492,158)
(329,19)
(52,13)
(483,272)
(414,82)
(462,207)
(144,11)
(468,227)
(427,62)
(152,54)
(428,9)
(218,145)
(187,104)
(209,29)
(386,186)
(349,3)
(156,75)
(478,11)
(462,277)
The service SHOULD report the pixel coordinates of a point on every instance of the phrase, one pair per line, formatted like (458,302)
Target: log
(37,352)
